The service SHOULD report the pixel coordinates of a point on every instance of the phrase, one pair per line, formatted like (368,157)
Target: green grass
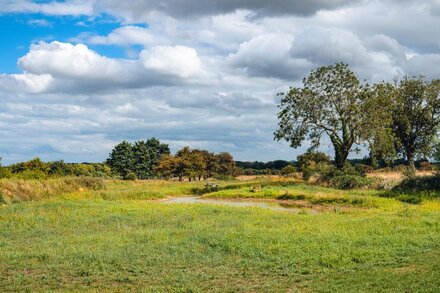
(120,242)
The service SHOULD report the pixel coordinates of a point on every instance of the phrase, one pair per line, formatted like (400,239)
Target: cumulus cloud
(68,60)
(179,60)
(65,67)
(199,73)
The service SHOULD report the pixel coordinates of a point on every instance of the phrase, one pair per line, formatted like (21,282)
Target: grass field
(120,239)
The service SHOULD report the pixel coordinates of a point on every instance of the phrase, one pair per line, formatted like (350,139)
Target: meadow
(123,236)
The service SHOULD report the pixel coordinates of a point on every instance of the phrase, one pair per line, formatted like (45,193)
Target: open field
(126,238)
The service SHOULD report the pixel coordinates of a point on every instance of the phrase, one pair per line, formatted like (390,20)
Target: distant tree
(330,102)
(141,158)
(167,166)
(226,164)
(416,116)
(121,159)
(212,164)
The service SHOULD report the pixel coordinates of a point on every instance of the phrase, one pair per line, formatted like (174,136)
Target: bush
(423,184)
(31,174)
(5,172)
(308,158)
(363,169)
(425,166)
(288,170)
(130,176)
(349,181)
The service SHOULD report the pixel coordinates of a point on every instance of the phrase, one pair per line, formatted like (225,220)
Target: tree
(157,149)
(416,116)
(226,164)
(121,159)
(167,166)
(143,164)
(330,102)
(140,158)
(377,123)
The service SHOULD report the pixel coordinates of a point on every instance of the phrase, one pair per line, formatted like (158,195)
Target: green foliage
(31,174)
(313,163)
(121,159)
(196,164)
(349,181)
(330,102)
(140,158)
(289,170)
(416,116)
(421,185)
(5,172)
(130,176)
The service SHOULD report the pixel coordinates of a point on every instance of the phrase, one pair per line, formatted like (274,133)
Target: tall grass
(17,190)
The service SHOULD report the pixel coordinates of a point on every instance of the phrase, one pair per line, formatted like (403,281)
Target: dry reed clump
(16,190)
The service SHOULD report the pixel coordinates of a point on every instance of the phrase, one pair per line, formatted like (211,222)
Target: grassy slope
(119,245)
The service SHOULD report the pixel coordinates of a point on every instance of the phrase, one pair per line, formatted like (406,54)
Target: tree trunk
(410,159)
(341,152)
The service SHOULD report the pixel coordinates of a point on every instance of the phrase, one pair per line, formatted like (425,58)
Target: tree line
(394,120)
(153,159)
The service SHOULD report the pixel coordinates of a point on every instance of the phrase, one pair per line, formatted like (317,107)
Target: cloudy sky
(77,77)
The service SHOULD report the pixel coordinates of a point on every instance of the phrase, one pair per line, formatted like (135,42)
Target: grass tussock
(17,190)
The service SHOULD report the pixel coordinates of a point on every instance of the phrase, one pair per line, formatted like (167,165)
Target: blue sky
(77,77)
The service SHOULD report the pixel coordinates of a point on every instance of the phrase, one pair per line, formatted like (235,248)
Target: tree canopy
(330,102)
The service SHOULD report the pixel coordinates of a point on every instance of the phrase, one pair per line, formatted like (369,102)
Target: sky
(77,77)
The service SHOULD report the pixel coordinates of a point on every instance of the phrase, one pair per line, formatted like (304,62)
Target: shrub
(5,172)
(425,166)
(288,170)
(363,169)
(308,158)
(130,176)
(349,181)
(31,174)
(425,184)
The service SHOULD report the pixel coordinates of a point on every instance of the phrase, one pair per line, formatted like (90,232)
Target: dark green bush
(424,184)
(349,181)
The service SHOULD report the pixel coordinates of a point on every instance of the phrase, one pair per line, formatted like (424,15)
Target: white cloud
(127,35)
(67,60)
(75,7)
(178,60)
